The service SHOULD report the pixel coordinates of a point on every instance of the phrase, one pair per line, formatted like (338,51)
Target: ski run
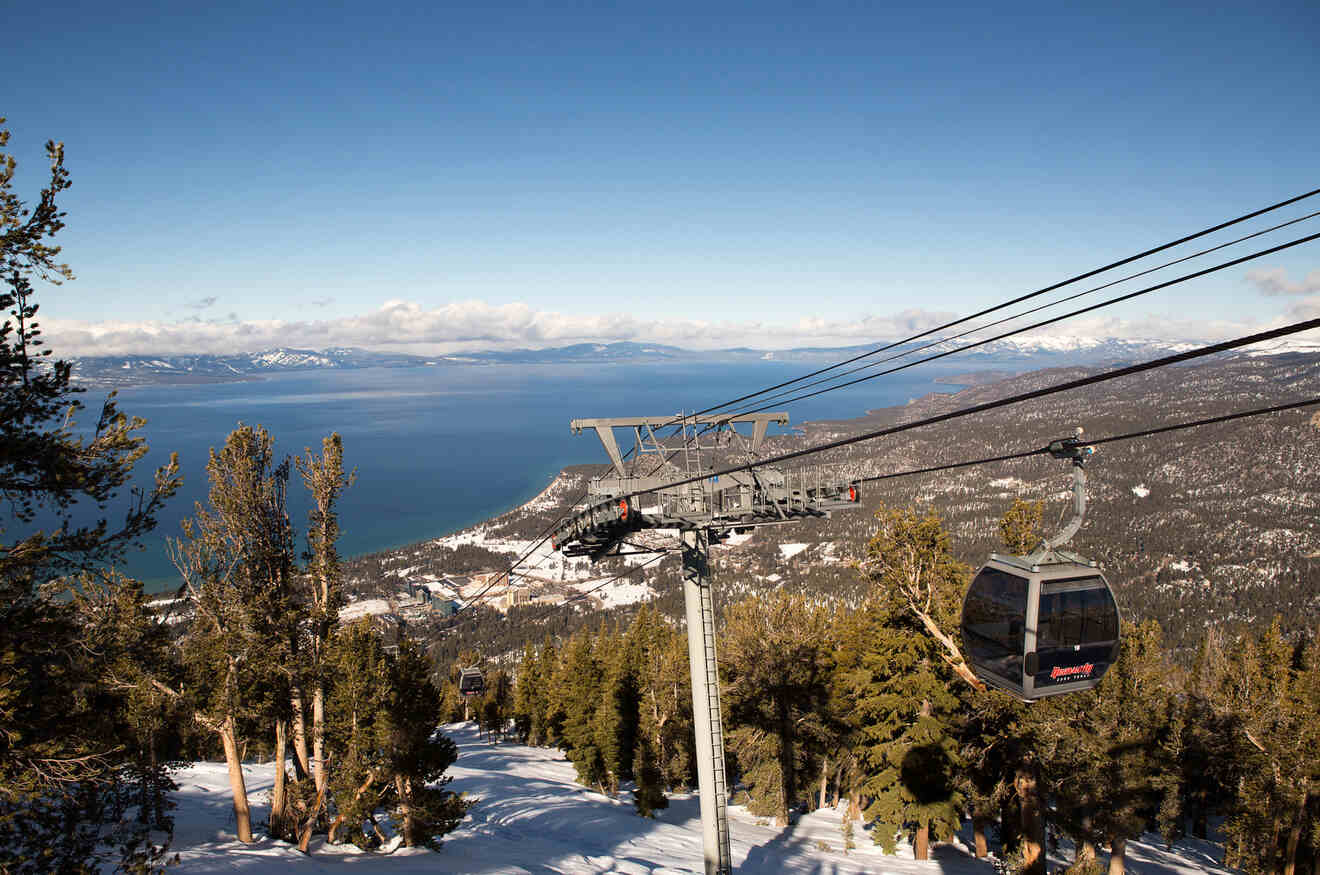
(532,817)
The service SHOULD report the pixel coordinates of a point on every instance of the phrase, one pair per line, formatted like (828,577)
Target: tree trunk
(404,789)
(305,835)
(1010,814)
(978,836)
(301,768)
(242,815)
(1295,834)
(787,778)
(1117,856)
(1033,825)
(921,848)
(1200,824)
(339,820)
(1085,844)
(278,795)
(824,780)
(318,736)
(854,804)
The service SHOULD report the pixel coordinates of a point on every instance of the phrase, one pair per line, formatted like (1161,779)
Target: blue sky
(434,176)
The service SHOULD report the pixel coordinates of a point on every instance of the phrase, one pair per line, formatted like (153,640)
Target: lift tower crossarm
(604,428)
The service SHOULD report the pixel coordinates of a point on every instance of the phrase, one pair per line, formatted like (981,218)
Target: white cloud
(1277,282)
(407,326)
(462,325)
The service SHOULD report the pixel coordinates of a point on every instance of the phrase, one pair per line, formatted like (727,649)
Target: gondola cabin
(1040,626)
(471,683)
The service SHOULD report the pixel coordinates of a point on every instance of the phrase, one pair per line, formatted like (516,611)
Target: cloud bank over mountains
(463,326)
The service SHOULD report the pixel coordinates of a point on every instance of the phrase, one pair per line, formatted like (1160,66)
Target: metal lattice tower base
(706,716)
(645,495)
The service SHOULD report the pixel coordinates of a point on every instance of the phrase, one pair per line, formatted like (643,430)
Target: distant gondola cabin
(471,683)
(1036,627)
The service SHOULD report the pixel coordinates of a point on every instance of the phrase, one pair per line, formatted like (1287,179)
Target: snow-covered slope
(532,817)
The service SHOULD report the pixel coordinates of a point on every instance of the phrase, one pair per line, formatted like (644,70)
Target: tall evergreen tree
(616,719)
(775,668)
(578,690)
(236,559)
(664,692)
(528,687)
(54,768)
(359,729)
(1273,688)
(324,477)
(1108,758)
(900,692)
(419,754)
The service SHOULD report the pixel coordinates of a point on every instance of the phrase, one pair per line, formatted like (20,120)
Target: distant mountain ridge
(1020,352)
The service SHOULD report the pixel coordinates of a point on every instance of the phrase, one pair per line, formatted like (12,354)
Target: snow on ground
(532,817)
(620,592)
(788,551)
(363,608)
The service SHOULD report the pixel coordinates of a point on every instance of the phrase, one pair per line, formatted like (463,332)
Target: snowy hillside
(533,818)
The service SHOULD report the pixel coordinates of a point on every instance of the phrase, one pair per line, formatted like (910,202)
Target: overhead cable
(1094,379)
(1106,303)
(1017,300)
(1149,432)
(775,399)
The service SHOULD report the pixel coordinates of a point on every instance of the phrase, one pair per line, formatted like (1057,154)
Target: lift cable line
(1134,435)
(1107,303)
(776,398)
(537,541)
(1082,382)
(540,539)
(717,421)
(1017,300)
(544,535)
(1129,296)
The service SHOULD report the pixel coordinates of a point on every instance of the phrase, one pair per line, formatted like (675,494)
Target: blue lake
(441,448)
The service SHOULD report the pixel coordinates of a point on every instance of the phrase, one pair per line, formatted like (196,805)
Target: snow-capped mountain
(1017,352)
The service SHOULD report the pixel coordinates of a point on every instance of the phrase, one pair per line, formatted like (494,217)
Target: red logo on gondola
(1080,671)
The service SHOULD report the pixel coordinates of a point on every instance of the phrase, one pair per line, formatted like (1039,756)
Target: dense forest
(854,704)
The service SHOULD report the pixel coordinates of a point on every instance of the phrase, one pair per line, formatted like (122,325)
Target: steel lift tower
(635,496)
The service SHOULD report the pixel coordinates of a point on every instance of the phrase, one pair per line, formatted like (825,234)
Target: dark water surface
(441,448)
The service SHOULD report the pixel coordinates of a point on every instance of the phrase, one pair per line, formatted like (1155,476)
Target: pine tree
(496,704)
(325,479)
(900,693)
(664,693)
(578,690)
(1020,525)
(616,720)
(649,797)
(359,731)
(54,768)
(1210,764)
(1109,762)
(527,708)
(1273,688)
(775,674)
(550,698)
(419,755)
(236,559)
